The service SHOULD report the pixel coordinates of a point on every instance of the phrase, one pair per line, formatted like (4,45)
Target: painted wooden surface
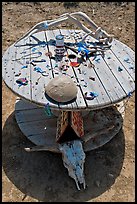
(111,84)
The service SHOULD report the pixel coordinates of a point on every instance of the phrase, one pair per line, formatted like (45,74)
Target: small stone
(119,18)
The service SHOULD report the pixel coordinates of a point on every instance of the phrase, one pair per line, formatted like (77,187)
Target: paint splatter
(24,67)
(129,94)
(90,96)
(22,82)
(120,69)
(97,60)
(34,49)
(74,64)
(126,60)
(92,78)
(48,110)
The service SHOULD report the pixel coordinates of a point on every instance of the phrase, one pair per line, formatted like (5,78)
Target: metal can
(60,49)
(60,41)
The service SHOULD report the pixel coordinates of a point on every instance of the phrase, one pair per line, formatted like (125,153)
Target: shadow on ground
(42,175)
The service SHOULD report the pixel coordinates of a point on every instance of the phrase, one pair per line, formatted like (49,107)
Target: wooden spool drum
(100,126)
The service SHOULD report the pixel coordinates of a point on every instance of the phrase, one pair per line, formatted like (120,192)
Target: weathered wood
(39,80)
(86,73)
(104,130)
(124,48)
(123,76)
(22,105)
(108,80)
(30,115)
(56,72)
(80,102)
(42,131)
(122,56)
(21,57)
(111,85)
(8,66)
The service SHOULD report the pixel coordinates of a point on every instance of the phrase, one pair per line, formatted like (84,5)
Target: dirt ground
(41,176)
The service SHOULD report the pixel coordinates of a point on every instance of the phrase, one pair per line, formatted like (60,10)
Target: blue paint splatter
(45,25)
(126,60)
(94,94)
(97,60)
(25,66)
(48,110)
(34,49)
(120,69)
(47,66)
(90,96)
(38,69)
(129,94)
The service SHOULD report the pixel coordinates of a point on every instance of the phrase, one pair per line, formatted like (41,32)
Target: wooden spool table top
(113,73)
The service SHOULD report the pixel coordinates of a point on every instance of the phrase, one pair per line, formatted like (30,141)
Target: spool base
(100,126)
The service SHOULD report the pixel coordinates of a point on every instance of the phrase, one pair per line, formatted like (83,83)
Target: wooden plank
(113,64)
(47,138)
(124,48)
(34,123)
(32,115)
(94,86)
(82,79)
(55,65)
(122,56)
(20,60)
(53,34)
(123,77)
(81,102)
(69,72)
(5,60)
(51,48)
(37,127)
(23,105)
(108,80)
(38,80)
(8,66)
